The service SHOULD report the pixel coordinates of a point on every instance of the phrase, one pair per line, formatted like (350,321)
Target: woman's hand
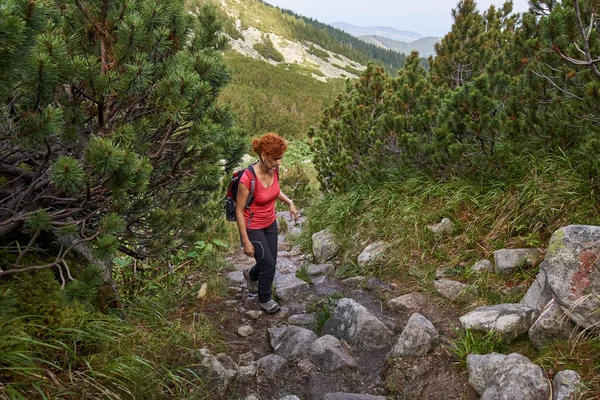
(293,212)
(248,249)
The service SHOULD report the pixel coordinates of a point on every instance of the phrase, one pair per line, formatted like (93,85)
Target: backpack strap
(251,195)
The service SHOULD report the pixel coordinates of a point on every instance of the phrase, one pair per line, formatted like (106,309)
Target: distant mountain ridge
(384,31)
(425,45)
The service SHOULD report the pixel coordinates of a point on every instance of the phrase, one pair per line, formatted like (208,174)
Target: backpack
(232,191)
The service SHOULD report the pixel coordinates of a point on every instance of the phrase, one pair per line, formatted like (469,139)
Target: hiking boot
(252,285)
(270,306)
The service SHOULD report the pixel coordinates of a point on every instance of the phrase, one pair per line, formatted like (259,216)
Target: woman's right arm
(240,206)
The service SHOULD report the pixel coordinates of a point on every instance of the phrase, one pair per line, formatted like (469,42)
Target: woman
(258,223)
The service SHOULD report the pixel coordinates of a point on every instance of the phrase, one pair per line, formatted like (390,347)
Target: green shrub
(268,50)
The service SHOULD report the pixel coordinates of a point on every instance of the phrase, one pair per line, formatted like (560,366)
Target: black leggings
(265,253)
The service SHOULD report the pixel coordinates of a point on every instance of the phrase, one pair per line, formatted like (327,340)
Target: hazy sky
(427,17)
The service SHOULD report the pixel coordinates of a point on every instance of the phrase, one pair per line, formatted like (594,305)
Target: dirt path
(434,376)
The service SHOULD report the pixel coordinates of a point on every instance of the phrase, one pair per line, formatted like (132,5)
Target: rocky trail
(366,339)
(283,355)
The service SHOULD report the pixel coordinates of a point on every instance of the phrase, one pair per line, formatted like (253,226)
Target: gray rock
(294,342)
(445,272)
(482,265)
(251,397)
(411,302)
(236,277)
(226,361)
(538,294)
(355,324)
(351,396)
(320,269)
(518,378)
(354,281)
(245,331)
(419,337)
(247,358)
(284,246)
(565,385)
(246,373)
(453,290)
(552,325)
(373,254)
(253,314)
(290,397)
(217,376)
(509,320)
(324,286)
(482,368)
(274,333)
(508,260)
(444,226)
(377,285)
(573,276)
(302,319)
(323,246)
(328,352)
(289,287)
(271,366)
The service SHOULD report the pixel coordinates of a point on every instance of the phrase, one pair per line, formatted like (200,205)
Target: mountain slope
(385,31)
(242,15)
(425,45)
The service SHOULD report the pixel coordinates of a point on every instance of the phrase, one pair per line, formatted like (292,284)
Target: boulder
(411,303)
(354,281)
(217,376)
(444,226)
(377,285)
(320,269)
(481,368)
(419,337)
(508,320)
(573,274)
(508,260)
(324,286)
(355,324)
(302,319)
(271,366)
(482,265)
(323,246)
(538,294)
(373,254)
(552,325)
(289,287)
(274,333)
(294,342)
(518,378)
(351,396)
(328,352)
(453,290)
(246,374)
(565,385)
(290,397)
(236,277)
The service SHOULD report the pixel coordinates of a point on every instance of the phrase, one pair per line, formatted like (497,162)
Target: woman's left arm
(293,211)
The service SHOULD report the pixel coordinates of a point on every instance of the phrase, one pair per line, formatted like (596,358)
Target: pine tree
(112,109)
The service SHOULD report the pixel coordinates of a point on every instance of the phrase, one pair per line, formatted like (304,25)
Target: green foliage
(139,134)
(469,342)
(322,54)
(267,50)
(269,98)
(302,273)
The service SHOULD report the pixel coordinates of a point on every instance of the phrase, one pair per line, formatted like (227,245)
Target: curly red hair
(269,144)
